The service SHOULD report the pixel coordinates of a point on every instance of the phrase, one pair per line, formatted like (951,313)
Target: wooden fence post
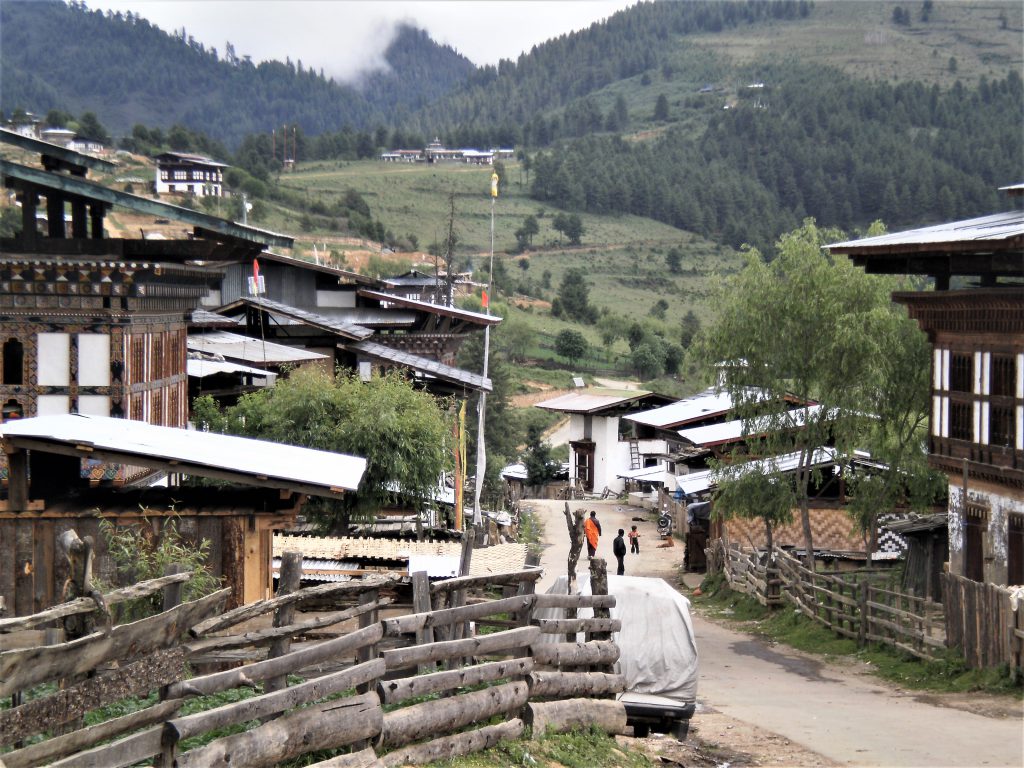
(862,605)
(289,581)
(421,604)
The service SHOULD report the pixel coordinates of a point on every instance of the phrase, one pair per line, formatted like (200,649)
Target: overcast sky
(344,37)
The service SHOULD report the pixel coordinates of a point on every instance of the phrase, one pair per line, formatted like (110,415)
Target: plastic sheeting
(657,647)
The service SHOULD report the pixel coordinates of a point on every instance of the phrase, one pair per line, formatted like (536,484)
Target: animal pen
(340,669)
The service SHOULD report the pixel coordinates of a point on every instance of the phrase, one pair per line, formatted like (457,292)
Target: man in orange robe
(592,530)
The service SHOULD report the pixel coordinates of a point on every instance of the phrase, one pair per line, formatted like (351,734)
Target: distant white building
(182,174)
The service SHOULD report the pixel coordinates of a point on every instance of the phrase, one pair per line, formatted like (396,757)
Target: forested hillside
(810,143)
(130,72)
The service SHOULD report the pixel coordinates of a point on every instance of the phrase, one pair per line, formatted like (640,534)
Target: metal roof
(479,318)
(234,346)
(73,185)
(318,321)
(341,274)
(592,400)
(424,365)
(207,454)
(206,318)
(737,429)
(699,482)
(199,369)
(66,157)
(987,231)
(705,405)
(917,523)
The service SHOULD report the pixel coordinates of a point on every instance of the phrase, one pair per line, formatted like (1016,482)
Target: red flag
(256,271)
(486,300)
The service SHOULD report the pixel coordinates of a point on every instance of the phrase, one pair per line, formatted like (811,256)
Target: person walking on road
(634,540)
(592,529)
(619,550)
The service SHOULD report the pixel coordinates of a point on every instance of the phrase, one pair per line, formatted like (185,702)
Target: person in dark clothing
(619,550)
(634,540)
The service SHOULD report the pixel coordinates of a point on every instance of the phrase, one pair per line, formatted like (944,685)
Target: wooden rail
(852,605)
(312,693)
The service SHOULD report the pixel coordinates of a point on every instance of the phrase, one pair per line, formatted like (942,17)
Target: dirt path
(772,706)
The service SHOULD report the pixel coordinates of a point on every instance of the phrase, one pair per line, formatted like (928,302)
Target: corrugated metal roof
(478,318)
(321,322)
(205,318)
(237,347)
(702,406)
(699,482)
(256,462)
(999,226)
(731,431)
(592,400)
(199,369)
(422,364)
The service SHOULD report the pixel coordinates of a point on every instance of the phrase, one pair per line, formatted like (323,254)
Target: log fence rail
(396,689)
(860,605)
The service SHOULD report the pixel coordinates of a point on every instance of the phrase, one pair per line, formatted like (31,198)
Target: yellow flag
(494,185)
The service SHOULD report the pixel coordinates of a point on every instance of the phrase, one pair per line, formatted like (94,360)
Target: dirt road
(769,705)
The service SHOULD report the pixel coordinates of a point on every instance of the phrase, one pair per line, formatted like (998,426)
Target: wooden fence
(853,604)
(982,623)
(384,690)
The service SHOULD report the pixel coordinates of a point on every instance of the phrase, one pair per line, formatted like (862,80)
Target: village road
(847,717)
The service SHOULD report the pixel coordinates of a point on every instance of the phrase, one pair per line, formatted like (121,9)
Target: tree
(658,309)
(403,433)
(753,495)
(674,260)
(610,327)
(524,235)
(90,127)
(540,467)
(808,326)
(573,300)
(689,329)
(572,345)
(648,359)
(573,229)
(661,107)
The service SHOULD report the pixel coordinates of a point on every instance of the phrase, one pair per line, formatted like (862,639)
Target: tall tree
(807,326)
(403,433)
(570,344)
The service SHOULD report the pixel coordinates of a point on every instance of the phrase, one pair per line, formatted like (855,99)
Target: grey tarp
(657,648)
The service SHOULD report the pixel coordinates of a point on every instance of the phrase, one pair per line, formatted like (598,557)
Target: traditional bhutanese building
(974,320)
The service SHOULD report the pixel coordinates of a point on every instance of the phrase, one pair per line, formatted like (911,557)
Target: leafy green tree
(648,359)
(573,229)
(524,235)
(90,126)
(514,339)
(611,328)
(807,325)
(403,433)
(572,345)
(767,496)
(674,355)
